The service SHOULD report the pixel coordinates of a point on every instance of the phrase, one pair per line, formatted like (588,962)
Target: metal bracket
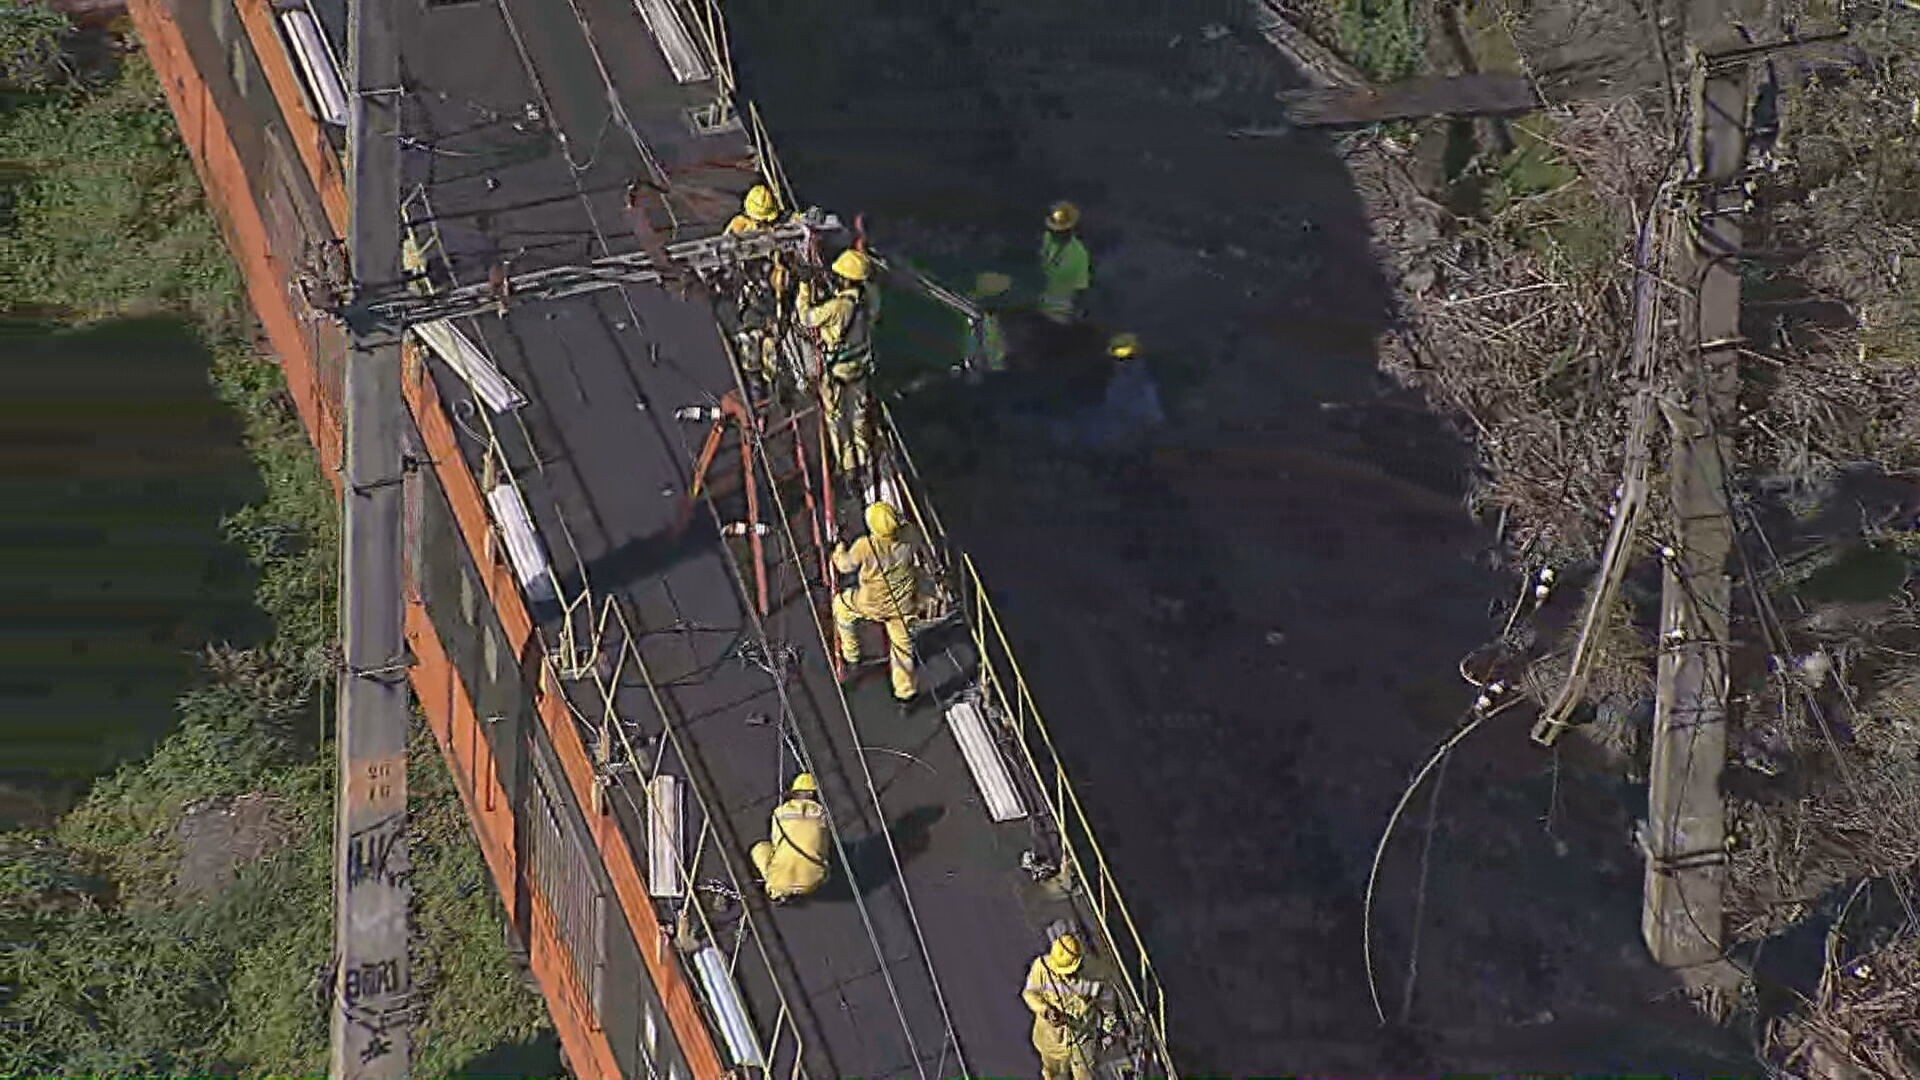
(389,673)
(612,771)
(1674,864)
(409,465)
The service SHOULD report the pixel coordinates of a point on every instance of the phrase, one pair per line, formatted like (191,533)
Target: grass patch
(107,967)
(1385,39)
(1535,195)
(1489,31)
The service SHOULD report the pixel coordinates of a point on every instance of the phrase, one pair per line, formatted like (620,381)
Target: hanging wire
(494,449)
(577,168)
(626,297)
(750,431)
(1474,718)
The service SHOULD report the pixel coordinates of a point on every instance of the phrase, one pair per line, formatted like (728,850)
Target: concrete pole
(1686,827)
(372,983)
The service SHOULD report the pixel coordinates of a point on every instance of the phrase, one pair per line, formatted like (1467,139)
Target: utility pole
(1686,828)
(372,980)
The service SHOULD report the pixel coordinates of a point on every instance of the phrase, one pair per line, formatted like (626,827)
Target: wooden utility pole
(372,980)
(1686,828)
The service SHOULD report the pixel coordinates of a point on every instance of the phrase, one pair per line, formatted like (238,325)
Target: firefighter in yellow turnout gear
(763,297)
(793,861)
(759,210)
(845,321)
(888,592)
(1071,1012)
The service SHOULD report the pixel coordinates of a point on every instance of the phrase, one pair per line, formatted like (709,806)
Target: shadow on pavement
(1247,647)
(871,864)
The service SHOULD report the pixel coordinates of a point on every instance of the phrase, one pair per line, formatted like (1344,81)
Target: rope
(575,169)
(751,432)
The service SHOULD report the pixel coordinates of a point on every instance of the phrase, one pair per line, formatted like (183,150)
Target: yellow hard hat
(1064,957)
(882,520)
(991,284)
(804,782)
(760,204)
(853,265)
(1123,346)
(1063,216)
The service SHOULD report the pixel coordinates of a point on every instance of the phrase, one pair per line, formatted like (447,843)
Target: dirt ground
(1249,645)
(218,837)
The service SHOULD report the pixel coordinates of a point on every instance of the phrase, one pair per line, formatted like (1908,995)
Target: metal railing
(1085,868)
(617,754)
(1003,686)
(1087,874)
(579,653)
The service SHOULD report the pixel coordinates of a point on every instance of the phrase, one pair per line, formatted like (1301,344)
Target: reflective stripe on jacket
(1076,997)
(1067,270)
(800,826)
(845,321)
(889,584)
(987,342)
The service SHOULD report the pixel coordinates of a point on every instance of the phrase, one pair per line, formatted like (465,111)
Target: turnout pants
(787,872)
(848,613)
(757,345)
(1061,1056)
(849,422)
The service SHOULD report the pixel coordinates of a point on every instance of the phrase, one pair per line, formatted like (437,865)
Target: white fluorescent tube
(725,998)
(663,22)
(885,491)
(464,357)
(984,761)
(663,836)
(524,550)
(324,84)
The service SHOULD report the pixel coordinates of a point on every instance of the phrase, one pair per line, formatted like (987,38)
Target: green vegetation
(1385,39)
(1537,196)
(30,37)
(136,937)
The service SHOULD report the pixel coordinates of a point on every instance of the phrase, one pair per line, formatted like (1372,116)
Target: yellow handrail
(1094,878)
(1084,863)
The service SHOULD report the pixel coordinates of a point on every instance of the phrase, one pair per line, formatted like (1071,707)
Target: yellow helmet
(1123,346)
(991,284)
(882,520)
(804,782)
(760,204)
(1062,217)
(1064,957)
(853,265)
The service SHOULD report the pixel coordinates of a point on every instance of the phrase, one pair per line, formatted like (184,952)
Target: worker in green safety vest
(1066,270)
(986,342)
